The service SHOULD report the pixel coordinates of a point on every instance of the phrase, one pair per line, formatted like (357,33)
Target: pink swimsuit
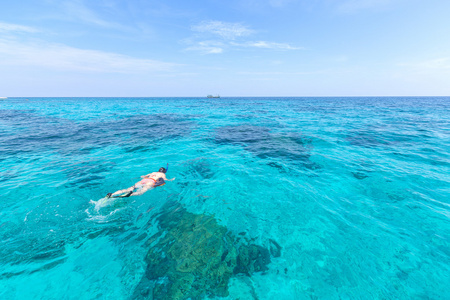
(147,180)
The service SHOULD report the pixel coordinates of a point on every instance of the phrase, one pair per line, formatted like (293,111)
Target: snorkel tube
(167,167)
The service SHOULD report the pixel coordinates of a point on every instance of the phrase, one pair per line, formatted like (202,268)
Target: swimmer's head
(162,170)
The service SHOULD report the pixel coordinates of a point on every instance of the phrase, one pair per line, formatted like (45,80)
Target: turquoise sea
(273,198)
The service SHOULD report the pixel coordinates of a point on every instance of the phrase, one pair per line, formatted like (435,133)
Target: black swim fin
(126,195)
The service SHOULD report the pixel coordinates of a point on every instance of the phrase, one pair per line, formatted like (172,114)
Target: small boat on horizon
(211,96)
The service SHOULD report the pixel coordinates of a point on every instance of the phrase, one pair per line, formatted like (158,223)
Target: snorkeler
(148,181)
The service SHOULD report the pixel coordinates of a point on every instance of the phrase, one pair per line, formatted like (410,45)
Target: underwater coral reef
(192,257)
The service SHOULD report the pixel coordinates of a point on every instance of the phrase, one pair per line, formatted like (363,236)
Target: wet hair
(162,170)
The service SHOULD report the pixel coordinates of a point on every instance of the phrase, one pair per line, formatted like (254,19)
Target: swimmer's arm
(165,178)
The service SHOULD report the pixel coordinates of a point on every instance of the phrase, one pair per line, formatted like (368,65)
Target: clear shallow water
(355,191)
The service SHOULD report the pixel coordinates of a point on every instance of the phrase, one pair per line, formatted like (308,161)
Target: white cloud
(268,45)
(217,47)
(228,31)
(281,73)
(207,47)
(6,27)
(65,58)
(227,35)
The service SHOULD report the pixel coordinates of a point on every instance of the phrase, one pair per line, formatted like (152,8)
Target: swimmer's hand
(171,179)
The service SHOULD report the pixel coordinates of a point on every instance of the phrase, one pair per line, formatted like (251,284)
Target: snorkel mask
(164,170)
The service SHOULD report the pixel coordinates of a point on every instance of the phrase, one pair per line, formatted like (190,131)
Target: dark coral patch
(359,175)
(368,140)
(193,257)
(34,132)
(198,169)
(265,144)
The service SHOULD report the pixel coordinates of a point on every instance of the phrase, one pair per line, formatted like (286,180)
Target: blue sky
(232,48)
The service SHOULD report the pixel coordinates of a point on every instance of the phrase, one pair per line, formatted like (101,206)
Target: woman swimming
(147,182)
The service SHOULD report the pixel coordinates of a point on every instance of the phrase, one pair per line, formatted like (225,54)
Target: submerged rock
(268,145)
(193,257)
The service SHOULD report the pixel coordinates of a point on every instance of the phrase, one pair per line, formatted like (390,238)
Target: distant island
(211,96)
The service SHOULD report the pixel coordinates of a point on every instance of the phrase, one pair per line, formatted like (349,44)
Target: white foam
(102,203)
